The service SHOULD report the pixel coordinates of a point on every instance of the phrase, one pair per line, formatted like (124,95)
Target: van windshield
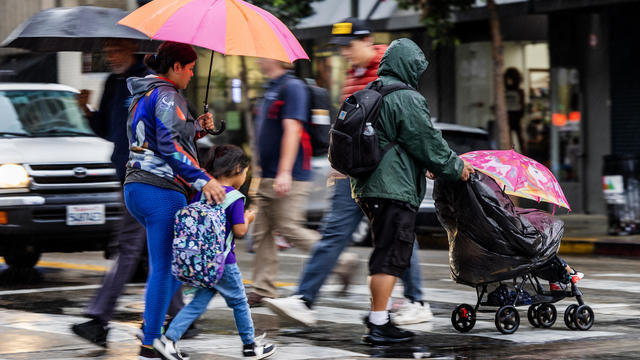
(37,113)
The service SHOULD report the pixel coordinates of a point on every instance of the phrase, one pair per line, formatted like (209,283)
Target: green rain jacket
(405,119)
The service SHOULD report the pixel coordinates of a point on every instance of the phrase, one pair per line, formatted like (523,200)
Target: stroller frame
(541,313)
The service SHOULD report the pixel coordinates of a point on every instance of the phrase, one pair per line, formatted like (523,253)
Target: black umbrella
(80,28)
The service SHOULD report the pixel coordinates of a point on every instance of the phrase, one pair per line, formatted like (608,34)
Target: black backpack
(319,118)
(354,148)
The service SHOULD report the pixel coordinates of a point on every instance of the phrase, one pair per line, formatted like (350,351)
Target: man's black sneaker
(168,349)
(94,330)
(258,349)
(148,354)
(386,333)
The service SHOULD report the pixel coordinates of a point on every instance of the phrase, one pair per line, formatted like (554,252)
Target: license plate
(85,214)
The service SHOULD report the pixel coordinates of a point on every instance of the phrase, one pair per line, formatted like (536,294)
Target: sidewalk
(587,234)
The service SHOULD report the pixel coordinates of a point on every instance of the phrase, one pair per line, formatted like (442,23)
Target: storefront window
(566,119)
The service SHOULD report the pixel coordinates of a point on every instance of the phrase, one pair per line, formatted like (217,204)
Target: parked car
(58,189)
(460,138)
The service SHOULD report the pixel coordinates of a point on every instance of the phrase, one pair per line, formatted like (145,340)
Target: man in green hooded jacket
(391,195)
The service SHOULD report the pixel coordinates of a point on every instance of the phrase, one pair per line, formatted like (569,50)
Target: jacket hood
(403,60)
(138,86)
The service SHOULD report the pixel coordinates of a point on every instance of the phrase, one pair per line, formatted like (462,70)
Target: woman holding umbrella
(163,169)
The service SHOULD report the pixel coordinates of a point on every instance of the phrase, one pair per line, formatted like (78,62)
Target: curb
(570,245)
(600,246)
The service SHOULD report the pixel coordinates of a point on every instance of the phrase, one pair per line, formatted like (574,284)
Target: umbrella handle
(223,126)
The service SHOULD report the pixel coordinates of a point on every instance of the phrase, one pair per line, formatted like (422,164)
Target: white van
(58,189)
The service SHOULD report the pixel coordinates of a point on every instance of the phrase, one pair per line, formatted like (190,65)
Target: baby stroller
(492,243)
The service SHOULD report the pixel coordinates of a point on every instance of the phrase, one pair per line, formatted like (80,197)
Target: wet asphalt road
(35,317)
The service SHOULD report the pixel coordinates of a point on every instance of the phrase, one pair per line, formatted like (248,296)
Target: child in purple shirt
(228,164)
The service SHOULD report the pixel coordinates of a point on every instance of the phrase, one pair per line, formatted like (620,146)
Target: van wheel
(22,256)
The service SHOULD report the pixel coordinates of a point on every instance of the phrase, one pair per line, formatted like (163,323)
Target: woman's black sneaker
(148,354)
(94,330)
(386,333)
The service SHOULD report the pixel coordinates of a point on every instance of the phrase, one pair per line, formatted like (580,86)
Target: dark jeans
(339,224)
(131,240)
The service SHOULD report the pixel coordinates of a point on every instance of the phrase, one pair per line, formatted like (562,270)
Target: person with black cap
(355,39)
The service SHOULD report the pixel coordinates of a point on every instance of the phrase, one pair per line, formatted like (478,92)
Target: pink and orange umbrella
(231,27)
(519,175)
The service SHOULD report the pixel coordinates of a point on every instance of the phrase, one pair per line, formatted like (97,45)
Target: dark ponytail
(168,54)
(226,161)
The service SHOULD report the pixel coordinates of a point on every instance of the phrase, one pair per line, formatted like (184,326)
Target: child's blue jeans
(232,290)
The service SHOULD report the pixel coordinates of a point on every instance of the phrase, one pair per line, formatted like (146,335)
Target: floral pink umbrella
(519,175)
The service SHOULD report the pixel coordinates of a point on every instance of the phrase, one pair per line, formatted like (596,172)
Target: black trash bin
(621,186)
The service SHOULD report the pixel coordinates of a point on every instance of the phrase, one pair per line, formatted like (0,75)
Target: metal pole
(354,8)
(373,9)
(206,95)
(223,126)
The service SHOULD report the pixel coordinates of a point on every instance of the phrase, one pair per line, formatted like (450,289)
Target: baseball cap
(349,29)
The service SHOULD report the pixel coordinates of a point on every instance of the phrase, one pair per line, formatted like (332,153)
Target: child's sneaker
(259,349)
(576,276)
(168,349)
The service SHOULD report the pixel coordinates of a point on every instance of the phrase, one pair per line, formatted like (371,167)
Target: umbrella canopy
(518,175)
(80,28)
(231,27)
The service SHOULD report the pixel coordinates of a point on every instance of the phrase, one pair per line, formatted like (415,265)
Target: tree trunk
(248,115)
(502,121)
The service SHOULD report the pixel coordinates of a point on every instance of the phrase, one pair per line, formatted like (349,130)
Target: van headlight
(13,176)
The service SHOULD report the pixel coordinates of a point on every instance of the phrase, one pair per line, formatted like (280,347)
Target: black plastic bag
(489,238)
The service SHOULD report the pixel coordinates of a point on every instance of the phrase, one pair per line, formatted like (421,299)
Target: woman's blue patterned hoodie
(162,133)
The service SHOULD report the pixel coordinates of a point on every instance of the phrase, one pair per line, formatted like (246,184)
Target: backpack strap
(232,196)
(385,90)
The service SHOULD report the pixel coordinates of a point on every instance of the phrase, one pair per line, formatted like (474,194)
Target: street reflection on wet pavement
(36,315)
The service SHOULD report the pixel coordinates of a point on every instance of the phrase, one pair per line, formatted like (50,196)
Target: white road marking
(614,275)
(54,289)
(302,256)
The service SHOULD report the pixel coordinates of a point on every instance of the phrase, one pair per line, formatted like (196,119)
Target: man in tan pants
(284,151)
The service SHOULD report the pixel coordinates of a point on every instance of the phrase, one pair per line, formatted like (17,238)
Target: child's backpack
(354,148)
(200,247)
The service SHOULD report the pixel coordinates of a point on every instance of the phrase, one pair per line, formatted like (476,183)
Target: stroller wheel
(507,319)
(547,315)
(463,318)
(532,315)
(568,316)
(583,317)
